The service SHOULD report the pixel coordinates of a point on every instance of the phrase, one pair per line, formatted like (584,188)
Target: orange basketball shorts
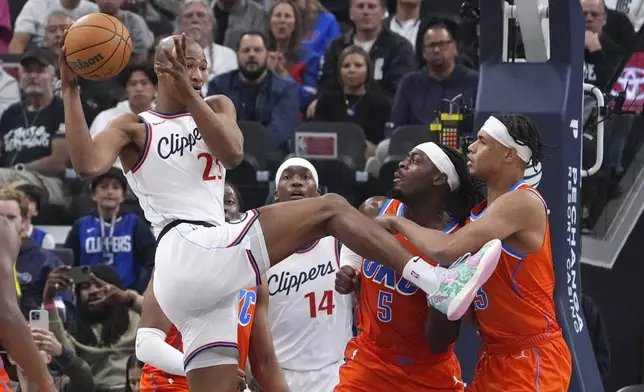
(544,368)
(162,383)
(363,371)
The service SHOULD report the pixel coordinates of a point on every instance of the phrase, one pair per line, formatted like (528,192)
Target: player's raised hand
(347,280)
(67,76)
(176,66)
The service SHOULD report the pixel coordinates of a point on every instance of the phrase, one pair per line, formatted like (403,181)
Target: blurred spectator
(104,331)
(602,54)
(33,132)
(319,26)
(632,9)
(391,55)
(158,14)
(133,374)
(422,93)
(235,17)
(33,263)
(140,82)
(142,37)
(5,27)
(35,197)
(287,56)
(406,21)
(113,237)
(620,29)
(57,21)
(261,95)
(233,203)
(31,22)
(71,373)
(9,90)
(355,102)
(197,21)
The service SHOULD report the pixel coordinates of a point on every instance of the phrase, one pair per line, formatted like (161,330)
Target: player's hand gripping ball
(97,46)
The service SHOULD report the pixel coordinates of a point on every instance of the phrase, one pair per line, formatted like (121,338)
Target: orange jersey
(4,378)
(392,311)
(516,304)
(153,379)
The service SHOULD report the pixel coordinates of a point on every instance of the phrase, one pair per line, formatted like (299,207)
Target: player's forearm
(220,133)
(269,375)
(151,348)
(17,341)
(79,140)
(431,243)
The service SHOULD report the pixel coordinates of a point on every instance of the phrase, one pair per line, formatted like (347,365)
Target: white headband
(498,131)
(442,163)
(296,162)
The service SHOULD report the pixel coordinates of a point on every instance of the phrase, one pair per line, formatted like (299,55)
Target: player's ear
(440,179)
(275,197)
(318,192)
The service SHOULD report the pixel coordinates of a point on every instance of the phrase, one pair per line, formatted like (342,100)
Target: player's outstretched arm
(15,336)
(90,157)
(263,361)
(509,214)
(151,347)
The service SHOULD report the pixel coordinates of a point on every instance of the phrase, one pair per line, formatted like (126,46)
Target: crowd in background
(375,63)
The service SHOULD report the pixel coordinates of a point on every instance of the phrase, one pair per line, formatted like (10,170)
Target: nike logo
(91,229)
(159,122)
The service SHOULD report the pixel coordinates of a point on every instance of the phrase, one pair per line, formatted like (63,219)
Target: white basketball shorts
(321,380)
(198,274)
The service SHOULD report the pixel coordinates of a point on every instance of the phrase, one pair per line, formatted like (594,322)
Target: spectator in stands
(319,26)
(197,21)
(422,94)
(261,95)
(9,90)
(113,237)
(33,145)
(142,37)
(34,263)
(406,21)
(233,203)
(72,373)
(31,22)
(104,331)
(235,17)
(140,82)
(287,56)
(601,55)
(5,27)
(133,374)
(35,198)
(356,102)
(158,14)
(392,56)
(57,22)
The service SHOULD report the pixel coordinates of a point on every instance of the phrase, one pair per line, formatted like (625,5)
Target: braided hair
(466,196)
(525,132)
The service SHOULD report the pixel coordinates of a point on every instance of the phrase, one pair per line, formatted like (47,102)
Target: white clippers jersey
(310,322)
(177,176)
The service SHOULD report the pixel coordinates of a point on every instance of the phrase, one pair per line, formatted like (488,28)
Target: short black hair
(256,33)
(126,74)
(436,23)
(466,196)
(525,132)
(114,173)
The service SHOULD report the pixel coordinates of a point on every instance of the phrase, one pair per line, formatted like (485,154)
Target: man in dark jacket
(392,56)
(34,263)
(602,54)
(260,95)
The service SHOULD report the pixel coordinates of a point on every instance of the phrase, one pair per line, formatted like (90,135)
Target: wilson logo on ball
(82,64)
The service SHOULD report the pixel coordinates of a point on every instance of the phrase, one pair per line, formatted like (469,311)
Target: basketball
(97,46)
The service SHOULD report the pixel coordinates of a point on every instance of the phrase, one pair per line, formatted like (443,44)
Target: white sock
(422,274)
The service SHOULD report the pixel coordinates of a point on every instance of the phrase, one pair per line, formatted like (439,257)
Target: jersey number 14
(208,174)
(326,303)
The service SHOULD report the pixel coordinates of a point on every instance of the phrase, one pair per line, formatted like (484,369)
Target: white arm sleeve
(350,258)
(151,348)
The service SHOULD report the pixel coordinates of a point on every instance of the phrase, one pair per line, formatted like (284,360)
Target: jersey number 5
(210,162)
(326,303)
(385,299)
(480,301)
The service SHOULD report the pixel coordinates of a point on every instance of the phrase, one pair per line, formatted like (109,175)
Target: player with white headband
(310,322)
(515,308)
(404,344)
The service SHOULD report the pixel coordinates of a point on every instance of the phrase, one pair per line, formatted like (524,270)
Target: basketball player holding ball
(523,346)
(175,159)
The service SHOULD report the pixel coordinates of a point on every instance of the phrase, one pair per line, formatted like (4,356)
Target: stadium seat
(406,137)
(65,255)
(255,142)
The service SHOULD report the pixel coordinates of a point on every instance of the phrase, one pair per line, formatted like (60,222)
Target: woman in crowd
(133,371)
(356,102)
(288,57)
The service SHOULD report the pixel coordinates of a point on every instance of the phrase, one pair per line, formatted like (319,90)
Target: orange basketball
(97,46)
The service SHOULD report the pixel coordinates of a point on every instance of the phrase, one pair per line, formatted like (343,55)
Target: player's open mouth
(297,195)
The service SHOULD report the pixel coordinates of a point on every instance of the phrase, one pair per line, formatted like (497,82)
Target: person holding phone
(73,374)
(15,337)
